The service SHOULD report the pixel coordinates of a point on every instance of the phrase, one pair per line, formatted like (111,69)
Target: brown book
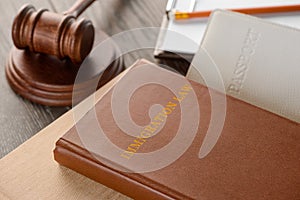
(175,150)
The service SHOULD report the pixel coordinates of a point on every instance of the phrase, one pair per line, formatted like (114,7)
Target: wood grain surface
(21,119)
(30,172)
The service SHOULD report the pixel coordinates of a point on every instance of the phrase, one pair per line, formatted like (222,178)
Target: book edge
(65,155)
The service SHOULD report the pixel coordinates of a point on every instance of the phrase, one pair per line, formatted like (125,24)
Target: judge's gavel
(56,34)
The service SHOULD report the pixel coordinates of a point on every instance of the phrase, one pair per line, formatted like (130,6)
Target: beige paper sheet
(30,172)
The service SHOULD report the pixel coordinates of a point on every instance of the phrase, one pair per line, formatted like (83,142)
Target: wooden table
(21,119)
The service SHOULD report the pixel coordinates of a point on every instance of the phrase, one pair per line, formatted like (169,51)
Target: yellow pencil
(256,10)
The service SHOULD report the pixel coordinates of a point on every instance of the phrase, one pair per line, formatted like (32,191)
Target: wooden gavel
(56,34)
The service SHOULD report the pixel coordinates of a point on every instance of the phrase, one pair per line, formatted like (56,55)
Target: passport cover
(256,155)
(258,61)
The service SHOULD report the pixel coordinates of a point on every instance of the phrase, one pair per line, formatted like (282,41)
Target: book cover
(157,135)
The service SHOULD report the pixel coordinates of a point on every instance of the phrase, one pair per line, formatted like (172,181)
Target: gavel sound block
(49,50)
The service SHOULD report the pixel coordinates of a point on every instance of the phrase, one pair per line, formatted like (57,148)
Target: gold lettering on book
(156,122)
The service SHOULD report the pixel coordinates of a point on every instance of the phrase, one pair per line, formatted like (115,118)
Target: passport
(157,135)
(256,60)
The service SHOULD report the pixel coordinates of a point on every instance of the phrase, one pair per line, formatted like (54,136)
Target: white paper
(193,30)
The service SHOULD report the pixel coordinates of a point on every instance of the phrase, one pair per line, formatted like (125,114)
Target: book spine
(104,175)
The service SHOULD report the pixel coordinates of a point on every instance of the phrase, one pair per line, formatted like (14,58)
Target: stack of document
(184,37)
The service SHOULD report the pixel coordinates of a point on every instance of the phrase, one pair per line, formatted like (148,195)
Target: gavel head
(51,33)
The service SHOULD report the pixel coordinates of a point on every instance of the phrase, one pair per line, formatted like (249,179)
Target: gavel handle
(78,7)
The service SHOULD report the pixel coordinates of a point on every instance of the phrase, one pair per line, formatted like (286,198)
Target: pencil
(257,10)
